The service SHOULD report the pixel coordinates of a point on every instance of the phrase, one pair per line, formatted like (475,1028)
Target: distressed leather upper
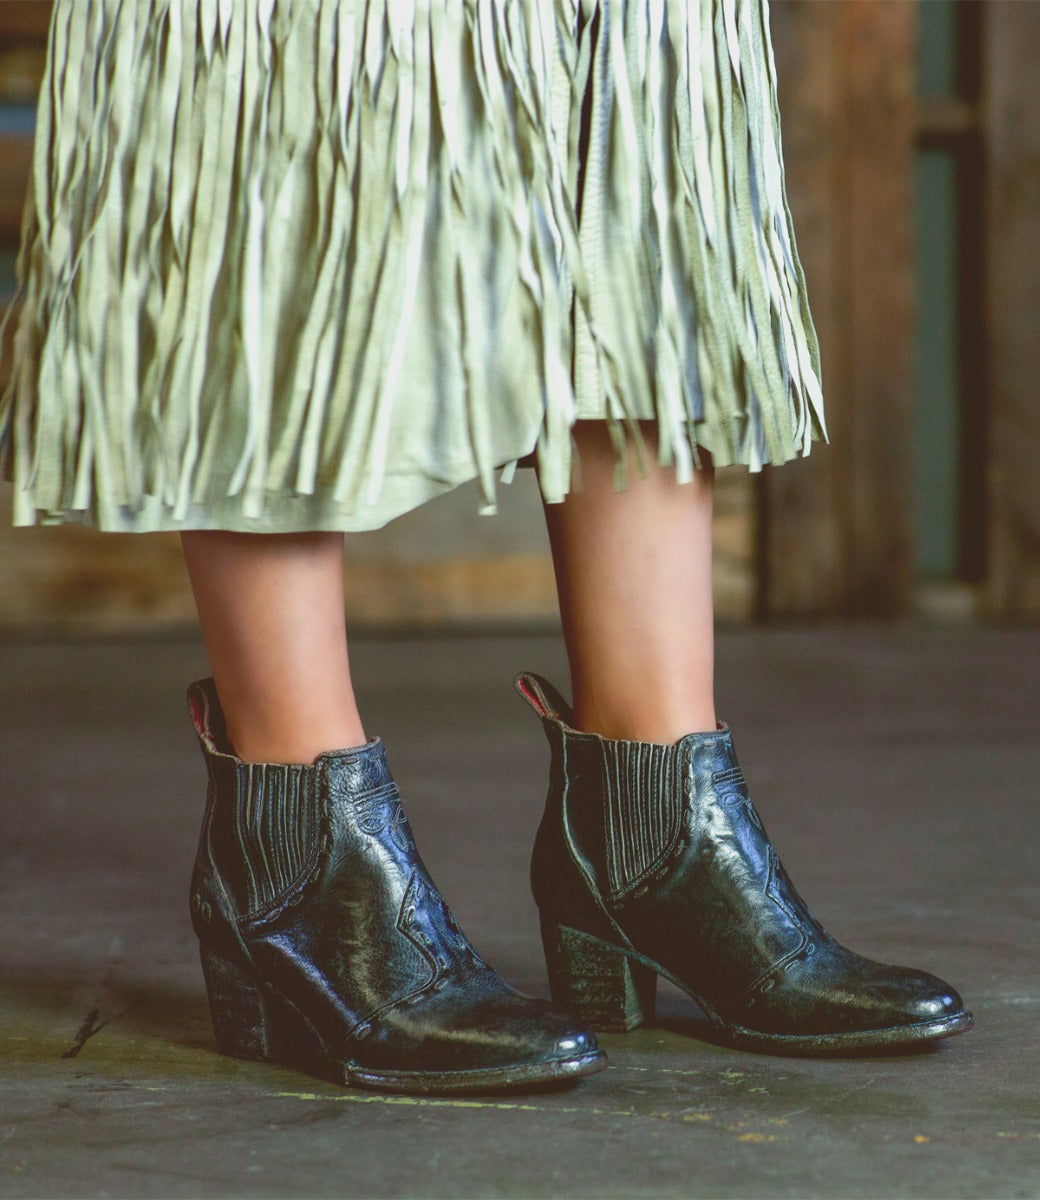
(309,877)
(659,850)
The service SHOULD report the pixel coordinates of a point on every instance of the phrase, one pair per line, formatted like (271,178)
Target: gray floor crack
(86,1031)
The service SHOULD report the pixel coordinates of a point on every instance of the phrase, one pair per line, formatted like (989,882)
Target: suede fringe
(307,263)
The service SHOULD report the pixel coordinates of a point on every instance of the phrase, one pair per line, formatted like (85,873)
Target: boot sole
(252,1021)
(491,1079)
(614,990)
(849,1042)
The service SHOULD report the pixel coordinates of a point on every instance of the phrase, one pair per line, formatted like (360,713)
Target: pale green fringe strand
(306,263)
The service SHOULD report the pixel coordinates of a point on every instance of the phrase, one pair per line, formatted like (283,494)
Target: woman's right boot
(325,943)
(651,860)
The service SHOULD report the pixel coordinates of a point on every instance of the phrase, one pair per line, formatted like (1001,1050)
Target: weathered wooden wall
(1012,140)
(23,33)
(836,530)
(442,564)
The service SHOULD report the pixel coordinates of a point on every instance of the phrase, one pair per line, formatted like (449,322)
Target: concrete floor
(897,771)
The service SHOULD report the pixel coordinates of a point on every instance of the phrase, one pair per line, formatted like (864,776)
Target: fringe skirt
(305,264)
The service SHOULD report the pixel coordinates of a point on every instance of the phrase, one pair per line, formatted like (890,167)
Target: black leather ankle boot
(326,945)
(651,860)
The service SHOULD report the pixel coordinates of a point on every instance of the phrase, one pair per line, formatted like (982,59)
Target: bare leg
(633,571)
(271,610)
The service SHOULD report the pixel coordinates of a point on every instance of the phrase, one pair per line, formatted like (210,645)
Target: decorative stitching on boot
(803,948)
(777,876)
(419,897)
(731,789)
(730,775)
(643,810)
(381,808)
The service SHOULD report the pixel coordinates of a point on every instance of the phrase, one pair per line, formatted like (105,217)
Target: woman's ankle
(299,738)
(645,718)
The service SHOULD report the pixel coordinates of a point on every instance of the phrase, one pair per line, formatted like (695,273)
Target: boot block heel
(242,1020)
(598,983)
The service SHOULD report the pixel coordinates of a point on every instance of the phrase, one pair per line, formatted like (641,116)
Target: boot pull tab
(207,717)
(544,698)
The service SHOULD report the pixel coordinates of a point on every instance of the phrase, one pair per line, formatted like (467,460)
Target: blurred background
(912,141)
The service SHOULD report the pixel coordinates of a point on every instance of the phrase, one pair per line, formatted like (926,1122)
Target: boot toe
(901,998)
(461,1042)
(838,1000)
(576,1044)
(929,998)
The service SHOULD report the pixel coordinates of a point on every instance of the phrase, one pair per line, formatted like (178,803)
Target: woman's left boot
(651,860)
(326,945)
